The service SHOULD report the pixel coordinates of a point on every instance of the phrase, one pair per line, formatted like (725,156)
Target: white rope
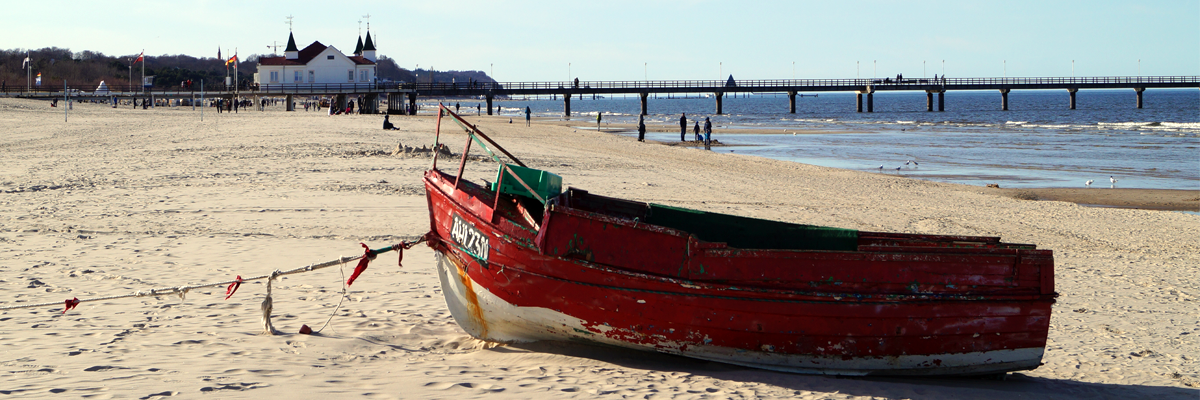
(339,304)
(268,328)
(182,291)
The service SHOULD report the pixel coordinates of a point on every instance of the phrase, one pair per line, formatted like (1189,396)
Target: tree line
(88,68)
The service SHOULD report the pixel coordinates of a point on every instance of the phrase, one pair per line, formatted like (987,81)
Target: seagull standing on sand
(897,169)
(881,167)
(1088,183)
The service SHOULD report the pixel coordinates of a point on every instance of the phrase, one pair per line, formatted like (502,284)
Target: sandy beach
(117,201)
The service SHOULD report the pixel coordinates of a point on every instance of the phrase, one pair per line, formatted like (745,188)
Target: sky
(632,40)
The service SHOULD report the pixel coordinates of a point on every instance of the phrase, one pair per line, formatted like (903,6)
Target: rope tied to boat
(232,286)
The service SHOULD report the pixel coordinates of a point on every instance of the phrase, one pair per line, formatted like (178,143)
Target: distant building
(318,64)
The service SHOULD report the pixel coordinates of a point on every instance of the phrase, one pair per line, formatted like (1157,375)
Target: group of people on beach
(683,125)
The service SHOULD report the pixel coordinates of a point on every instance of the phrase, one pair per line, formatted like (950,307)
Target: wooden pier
(398,93)
(862,87)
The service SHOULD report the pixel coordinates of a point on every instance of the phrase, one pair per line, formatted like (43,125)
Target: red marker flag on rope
(233,287)
(139,57)
(71,303)
(362,263)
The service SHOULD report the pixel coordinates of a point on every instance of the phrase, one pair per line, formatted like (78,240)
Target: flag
(139,57)
(232,60)
(39,79)
(27,62)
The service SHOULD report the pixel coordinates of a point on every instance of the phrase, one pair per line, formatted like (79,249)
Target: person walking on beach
(598,114)
(696,131)
(682,127)
(527,112)
(456,108)
(707,132)
(641,129)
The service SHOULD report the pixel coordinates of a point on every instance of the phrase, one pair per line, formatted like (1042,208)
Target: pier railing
(778,83)
(663,86)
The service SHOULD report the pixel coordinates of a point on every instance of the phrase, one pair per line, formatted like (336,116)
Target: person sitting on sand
(387,125)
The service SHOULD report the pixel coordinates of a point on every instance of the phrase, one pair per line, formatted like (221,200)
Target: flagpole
(143,85)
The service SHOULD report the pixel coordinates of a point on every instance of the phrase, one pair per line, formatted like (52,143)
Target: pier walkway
(863,87)
(397,93)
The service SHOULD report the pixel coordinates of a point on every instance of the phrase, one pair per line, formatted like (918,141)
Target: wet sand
(120,201)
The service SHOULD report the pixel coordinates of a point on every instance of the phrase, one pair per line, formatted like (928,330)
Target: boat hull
(486,316)
(501,287)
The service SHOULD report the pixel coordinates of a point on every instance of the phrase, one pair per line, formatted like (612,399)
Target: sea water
(1040,142)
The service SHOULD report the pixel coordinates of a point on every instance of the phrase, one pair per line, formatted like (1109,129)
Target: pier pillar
(1072,92)
(928,100)
(395,102)
(792,102)
(870,102)
(1004,99)
(643,97)
(289,105)
(567,105)
(412,103)
(941,101)
(1139,95)
(858,99)
(489,103)
(720,98)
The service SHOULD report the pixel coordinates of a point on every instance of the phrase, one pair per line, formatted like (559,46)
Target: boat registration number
(470,238)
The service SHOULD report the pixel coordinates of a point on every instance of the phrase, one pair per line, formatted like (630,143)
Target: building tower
(368,50)
(291,52)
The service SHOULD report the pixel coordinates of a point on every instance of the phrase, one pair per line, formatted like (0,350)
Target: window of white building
(297,77)
(350,76)
(274,76)
(312,76)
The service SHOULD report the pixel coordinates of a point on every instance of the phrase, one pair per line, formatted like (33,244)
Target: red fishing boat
(522,260)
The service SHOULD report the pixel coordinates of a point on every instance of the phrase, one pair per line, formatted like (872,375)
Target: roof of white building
(307,54)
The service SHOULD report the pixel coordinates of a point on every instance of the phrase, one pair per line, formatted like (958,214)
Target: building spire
(291,46)
(369,46)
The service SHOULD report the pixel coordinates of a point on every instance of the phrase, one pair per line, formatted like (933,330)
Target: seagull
(881,167)
(897,169)
(1112,180)
(1088,183)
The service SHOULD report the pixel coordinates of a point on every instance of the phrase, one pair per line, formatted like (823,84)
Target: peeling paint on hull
(515,324)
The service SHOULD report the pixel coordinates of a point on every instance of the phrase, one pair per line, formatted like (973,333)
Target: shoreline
(1128,198)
